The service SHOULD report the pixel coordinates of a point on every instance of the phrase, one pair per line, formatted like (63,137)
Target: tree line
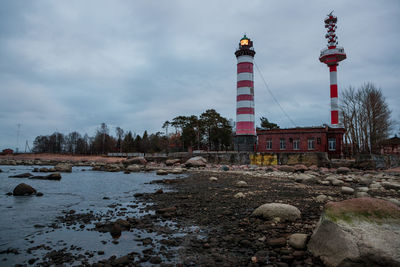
(209,131)
(101,143)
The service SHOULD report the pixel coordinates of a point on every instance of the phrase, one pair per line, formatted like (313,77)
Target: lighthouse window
(332,144)
(311,144)
(282,144)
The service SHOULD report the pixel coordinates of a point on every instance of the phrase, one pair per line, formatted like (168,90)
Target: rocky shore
(243,215)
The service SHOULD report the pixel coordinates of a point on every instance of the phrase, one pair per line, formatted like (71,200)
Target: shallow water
(82,191)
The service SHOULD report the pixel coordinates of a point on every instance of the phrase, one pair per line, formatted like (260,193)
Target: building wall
(319,135)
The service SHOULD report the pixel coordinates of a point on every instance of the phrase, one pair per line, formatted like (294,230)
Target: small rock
(224,168)
(22,175)
(241,184)
(285,168)
(298,241)
(213,179)
(170,162)
(39,194)
(159,191)
(155,260)
(100,252)
(277,210)
(394,201)
(321,198)
(161,172)
(337,182)
(347,190)
(239,195)
(342,170)
(277,242)
(362,189)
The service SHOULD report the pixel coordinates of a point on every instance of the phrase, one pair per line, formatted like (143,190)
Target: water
(82,190)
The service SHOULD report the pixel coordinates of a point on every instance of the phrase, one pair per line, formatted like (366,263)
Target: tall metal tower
(245,137)
(331,56)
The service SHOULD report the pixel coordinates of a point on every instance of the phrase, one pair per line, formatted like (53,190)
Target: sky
(71,65)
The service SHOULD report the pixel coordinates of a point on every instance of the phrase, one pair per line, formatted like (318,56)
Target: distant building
(7,151)
(391,146)
(300,140)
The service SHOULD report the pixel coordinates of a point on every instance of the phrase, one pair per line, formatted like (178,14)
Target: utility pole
(19,126)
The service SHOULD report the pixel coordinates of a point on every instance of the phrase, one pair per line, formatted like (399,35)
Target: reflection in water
(25,221)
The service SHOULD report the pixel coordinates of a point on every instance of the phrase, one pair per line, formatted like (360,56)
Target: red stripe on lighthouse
(334,90)
(244,111)
(245,67)
(332,68)
(245,84)
(244,97)
(334,117)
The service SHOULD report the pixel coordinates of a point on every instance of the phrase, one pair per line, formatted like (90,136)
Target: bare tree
(366,118)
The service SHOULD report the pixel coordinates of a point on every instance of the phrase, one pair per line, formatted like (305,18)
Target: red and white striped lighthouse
(331,56)
(245,138)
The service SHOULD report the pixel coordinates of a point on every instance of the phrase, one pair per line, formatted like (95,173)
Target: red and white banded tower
(331,56)
(245,138)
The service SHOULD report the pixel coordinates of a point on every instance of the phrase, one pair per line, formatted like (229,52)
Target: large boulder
(135,160)
(286,168)
(284,212)
(358,232)
(63,167)
(22,175)
(196,162)
(170,162)
(23,190)
(134,168)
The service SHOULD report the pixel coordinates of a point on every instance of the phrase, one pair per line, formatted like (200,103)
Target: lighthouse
(331,56)
(245,135)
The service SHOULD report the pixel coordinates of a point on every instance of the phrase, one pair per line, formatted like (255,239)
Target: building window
(282,144)
(311,144)
(296,144)
(332,144)
(269,144)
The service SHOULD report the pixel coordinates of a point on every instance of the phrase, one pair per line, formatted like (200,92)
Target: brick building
(308,139)
(391,146)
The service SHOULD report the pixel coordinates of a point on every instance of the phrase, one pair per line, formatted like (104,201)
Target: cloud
(72,65)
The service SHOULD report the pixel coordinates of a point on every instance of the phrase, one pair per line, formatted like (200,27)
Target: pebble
(347,190)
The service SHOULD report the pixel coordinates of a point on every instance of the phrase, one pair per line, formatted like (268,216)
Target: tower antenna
(18,129)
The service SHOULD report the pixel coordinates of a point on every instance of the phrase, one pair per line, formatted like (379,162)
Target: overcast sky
(71,65)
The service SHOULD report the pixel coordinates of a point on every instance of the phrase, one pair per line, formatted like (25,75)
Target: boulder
(196,162)
(135,160)
(347,190)
(133,168)
(298,241)
(277,210)
(170,162)
(23,190)
(391,185)
(241,184)
(176,171)
(54,176)
(22,175)
(63,167)
(358,232)
(1,170)
(337,182)
(300,168)
(342,170)
(285,168)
